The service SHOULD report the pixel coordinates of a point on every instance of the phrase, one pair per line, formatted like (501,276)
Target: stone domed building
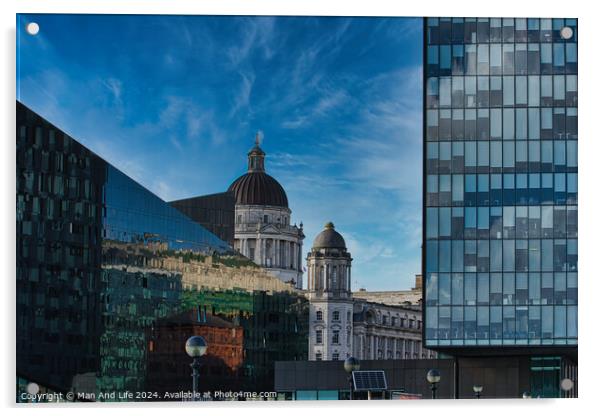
(341,325)
(330,298)
(263,230)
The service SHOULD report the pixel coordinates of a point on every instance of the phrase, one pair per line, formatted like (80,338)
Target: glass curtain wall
(500,223)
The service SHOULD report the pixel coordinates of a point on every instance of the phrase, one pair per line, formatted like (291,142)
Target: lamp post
(196,347)
(350,365)
(477,388)
(433,377)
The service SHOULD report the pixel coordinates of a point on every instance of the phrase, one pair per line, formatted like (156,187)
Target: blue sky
(175,101)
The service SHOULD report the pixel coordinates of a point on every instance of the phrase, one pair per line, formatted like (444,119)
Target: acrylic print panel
(217,208)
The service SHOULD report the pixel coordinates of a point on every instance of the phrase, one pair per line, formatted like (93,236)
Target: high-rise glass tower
(500,186)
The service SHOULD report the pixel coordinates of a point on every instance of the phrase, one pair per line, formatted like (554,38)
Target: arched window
(319,315)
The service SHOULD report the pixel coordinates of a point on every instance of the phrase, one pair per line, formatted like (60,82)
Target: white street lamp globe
(196,346)
(351,364)
(477,388)
(433,376)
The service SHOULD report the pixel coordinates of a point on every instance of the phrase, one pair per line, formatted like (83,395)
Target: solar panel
(369,380)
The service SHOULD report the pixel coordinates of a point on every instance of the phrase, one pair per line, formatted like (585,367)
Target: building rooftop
(393,297)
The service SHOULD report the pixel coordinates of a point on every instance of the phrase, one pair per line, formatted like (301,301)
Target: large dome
(258,188)
(329,238)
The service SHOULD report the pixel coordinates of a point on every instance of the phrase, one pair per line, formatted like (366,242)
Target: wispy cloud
(256,35)
(243,96)
(328,102)
(114,86)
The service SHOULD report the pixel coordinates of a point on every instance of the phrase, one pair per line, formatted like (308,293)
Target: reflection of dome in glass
(329,238)
(257,187)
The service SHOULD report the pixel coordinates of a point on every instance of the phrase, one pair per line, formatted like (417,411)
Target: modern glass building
(500,185)
(84,289)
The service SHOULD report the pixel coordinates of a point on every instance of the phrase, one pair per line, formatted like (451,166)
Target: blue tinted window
(558,54)
(433,55)
(445,62)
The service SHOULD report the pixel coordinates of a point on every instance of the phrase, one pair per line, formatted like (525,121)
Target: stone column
(317,277)
(348,269)
(362,347)
(270,253)
(373,347)
(259,251)
(284,254)
(295,256)
(265,252)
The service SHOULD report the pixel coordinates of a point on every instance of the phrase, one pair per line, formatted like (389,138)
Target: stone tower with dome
(330,297)
(263,230)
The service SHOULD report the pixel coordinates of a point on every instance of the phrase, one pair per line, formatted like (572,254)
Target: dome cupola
(329,238)
(257,187)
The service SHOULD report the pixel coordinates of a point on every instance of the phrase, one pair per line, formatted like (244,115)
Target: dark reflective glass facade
(100,259)
(500,191)
(82,277)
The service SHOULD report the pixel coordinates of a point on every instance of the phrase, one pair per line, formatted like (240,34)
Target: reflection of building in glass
(169,365)
(263,230)
(367,326)
(133,298)
(100,259)
(500,188)
(275,328)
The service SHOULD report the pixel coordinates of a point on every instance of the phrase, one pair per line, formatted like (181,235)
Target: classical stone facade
(331,303)
(263,230)
(342,324)
(384,332)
